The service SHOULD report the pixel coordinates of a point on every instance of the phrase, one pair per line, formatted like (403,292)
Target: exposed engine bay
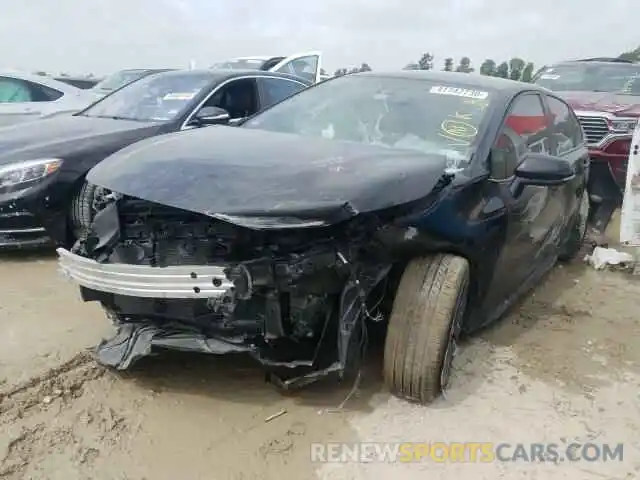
(296,299)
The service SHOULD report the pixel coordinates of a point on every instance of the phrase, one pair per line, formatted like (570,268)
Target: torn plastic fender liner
(136,340)
(353,306)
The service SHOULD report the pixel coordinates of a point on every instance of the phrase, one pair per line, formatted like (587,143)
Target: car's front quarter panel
(467,219)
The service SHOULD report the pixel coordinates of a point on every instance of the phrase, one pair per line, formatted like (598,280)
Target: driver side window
(525,129)
(238,97)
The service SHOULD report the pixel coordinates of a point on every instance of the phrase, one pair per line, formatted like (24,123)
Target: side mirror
(211,116)
(543,170)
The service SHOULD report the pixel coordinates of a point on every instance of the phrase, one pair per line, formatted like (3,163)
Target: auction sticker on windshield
(460,92)
(179,96)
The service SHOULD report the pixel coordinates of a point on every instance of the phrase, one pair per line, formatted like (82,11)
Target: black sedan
(43,195)
(427,201)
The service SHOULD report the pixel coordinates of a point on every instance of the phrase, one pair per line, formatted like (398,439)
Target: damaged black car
(424,201)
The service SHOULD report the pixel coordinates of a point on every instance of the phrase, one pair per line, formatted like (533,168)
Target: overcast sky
(104,35)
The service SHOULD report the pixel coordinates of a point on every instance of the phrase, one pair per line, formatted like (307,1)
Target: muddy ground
(564,366)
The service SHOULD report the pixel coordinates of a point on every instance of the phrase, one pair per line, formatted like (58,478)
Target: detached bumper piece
(192,282)
(21,230)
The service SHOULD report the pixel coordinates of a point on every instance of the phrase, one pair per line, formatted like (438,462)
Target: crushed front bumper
(290,363)
(188,281)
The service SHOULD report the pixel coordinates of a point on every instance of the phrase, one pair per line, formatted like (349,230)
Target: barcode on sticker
(460,92)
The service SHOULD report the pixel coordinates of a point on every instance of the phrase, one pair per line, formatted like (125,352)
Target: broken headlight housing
(17,176)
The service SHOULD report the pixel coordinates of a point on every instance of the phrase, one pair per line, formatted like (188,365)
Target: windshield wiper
(114,117)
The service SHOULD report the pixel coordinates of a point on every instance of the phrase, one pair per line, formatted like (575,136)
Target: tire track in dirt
(58,388)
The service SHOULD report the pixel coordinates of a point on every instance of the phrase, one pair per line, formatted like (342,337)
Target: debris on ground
(602,258)
(275,415)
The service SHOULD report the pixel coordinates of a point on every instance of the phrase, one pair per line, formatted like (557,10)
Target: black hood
(234,171)
(61,135)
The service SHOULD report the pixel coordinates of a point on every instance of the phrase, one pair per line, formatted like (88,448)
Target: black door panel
(532,211)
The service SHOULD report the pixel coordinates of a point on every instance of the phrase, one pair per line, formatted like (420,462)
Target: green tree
(425,62)
(448,65)
(516,66)
(465,65)
(365,67)
(503,70)
(632,55)
(339,72)
(488,67)
(527,73)
(323,71)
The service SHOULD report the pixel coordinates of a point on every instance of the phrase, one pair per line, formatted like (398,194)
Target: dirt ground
(564,366)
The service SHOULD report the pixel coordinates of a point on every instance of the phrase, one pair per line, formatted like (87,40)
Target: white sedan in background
(25,97)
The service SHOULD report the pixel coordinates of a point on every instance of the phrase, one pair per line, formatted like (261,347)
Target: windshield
(155,98)
(619,78)
(393,112)
(119,79)
(242,64)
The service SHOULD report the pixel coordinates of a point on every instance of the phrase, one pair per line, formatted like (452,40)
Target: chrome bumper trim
(184,281)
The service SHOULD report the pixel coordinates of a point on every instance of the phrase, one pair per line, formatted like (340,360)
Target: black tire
(575,239)
(86,203)
(81,213)
(426,318)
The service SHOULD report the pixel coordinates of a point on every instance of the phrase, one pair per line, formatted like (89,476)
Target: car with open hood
(25,97)
(43,196)
(426,201)
(605,94)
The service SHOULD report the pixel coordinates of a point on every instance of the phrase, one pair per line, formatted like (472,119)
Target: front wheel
(425,321)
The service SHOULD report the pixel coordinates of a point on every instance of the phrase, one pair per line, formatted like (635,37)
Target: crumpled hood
(235,171)
(617,104)
(58,135)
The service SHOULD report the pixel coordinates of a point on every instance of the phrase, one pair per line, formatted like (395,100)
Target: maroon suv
(605,94)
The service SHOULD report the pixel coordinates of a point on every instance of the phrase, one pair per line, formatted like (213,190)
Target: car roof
(43,80)
(598,62)
(471,80)
(225,74)
(255,57)
(143,70)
